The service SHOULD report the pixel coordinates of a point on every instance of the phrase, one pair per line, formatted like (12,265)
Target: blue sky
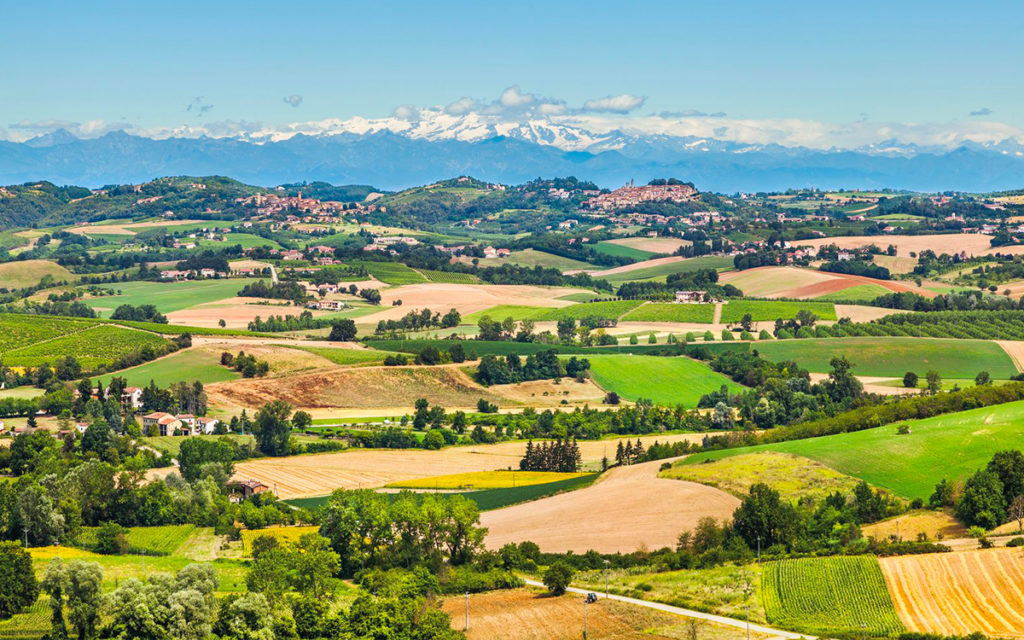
(165,64)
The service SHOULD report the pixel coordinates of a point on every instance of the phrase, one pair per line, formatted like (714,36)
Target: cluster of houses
(631,195)
(275,203)
(384,243)
(184,424)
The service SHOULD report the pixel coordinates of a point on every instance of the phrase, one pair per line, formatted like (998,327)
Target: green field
(621,251)
(829,595)
(534,258)
(766,310)
(659,272)
(247,240)
(477,347)
(188,365)
(347,356)
(859,293)
(669,312)
(453,277)
(168,296)
(97,345)
(18,331)
(951,446)
(485,480)
(488,499)
(27,273)
(668,381)
(608,309)
(393,273)
(892,357)
(160,541)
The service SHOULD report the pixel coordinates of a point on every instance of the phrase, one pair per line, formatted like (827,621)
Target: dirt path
(872,384)
(717,318)
(630,508)
(1014,349)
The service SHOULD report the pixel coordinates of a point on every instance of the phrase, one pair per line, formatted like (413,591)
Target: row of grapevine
(96,345)
(829,595)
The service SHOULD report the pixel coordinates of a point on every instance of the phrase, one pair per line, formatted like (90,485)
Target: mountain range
(393,153)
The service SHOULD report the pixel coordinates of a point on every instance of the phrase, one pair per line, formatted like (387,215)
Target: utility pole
(748,621)
(584,619)
(467,612)
(759,549)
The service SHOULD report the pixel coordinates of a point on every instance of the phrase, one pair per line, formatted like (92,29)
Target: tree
(97,437)
(763,516)
(194,453)
(272,428)
(301,420)
(983,378)
(842,385)
(18,585)
(111,539)
(83,589)
(558,577)
(313,565)
(54,583)
(1016,512)
(910,380)
(566,328)
(934,381)
(343,330)
(1009,466)
(982,503)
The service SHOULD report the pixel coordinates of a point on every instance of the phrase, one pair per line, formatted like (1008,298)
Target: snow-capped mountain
(420,146)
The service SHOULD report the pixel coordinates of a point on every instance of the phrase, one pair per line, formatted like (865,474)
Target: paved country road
(776,634)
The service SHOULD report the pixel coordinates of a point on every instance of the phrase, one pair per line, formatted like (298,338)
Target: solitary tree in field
(1017,512)
(982,378)
(272,428)
(934,381)
(558,577)
(910,380)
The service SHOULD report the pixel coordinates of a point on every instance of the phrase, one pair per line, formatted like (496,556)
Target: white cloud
(461,106)
(622,103)
(514,97)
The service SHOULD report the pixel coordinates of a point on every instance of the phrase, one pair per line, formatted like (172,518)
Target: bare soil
(629,509)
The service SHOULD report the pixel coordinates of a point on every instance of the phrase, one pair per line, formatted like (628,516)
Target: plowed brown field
(960,592)
(628,509)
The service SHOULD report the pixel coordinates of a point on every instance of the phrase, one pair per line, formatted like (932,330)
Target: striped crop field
(963,592)
(829,595)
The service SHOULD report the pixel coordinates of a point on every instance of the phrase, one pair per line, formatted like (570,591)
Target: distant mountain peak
(52,139)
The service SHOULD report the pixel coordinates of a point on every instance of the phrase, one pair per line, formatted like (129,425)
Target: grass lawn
(485,480)
(610,309)
(669,312)
(725,590)
(188,365)
(792,476)
(951,446)
(168,296)
(664,380)
(892,357)
(172,444)
(502,311)
(621,251)
(764,310)
(858,293)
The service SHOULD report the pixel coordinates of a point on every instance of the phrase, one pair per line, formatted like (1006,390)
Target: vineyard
(669,312)
(449,277)
(159,541)
(18,331)
(92,347)
(829,595)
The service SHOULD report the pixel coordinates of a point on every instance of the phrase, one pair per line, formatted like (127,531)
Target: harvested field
(653,245)
(935,524)
(467,298)
(365,387)
(317,475)
(974,244)
(636,266)
(546,393)
(236,312)
(628,509)
(896,264)
(864,313)
(520,614)
(960,592)
(1014,349)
